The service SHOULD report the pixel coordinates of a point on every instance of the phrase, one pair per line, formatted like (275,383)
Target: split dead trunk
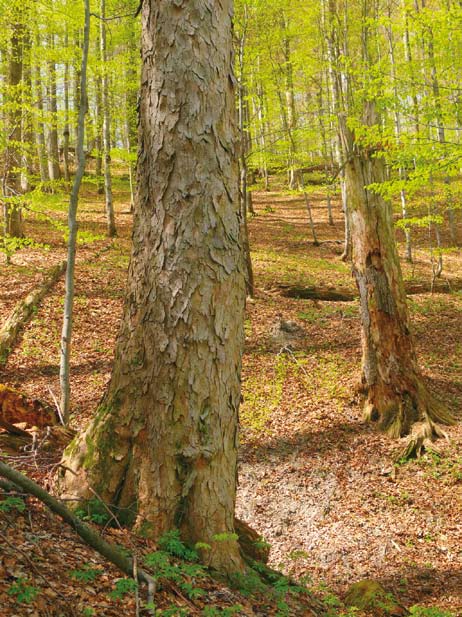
(396,396)
(163,444)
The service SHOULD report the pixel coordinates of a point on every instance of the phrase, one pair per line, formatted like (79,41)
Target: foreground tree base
(413,412)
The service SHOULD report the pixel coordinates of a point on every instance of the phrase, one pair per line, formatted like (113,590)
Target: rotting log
(324,294)
(24,310)
(334,294)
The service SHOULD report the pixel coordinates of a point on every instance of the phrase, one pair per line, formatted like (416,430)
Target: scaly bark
(163,445)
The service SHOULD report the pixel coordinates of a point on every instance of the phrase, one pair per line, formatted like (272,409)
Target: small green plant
(202,546)
(123,586)
(172,544)
(12,503)
(171,611)
(22,591)
(9,245)
(421,611)
(86,574)
(227,611)
(88,612)
(226,537)
(248,583)
(95,511)
(183,574)
(262,544)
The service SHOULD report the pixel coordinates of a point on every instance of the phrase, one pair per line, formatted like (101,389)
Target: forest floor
(315,481)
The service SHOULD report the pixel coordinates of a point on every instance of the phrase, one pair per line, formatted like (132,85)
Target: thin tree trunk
(26,120)
(245,233)
(262,136)
(308,210)
(98,125)
(397,121)
(128,147)
(66,130)
(130,113)
(76,88)
(244,148)
(291,118)
(325,154)
(40,129)
(340,97)
(53,148)
(11,182)
(163,445)
(66,336)
(441,133)
(110,218)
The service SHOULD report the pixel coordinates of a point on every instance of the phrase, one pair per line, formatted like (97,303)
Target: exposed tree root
(421,439)
(417,416)
(251,543)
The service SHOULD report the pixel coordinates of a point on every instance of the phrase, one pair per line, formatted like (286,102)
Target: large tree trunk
(163,445)
(397,397)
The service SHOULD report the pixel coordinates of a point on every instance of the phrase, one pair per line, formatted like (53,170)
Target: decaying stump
(16,408)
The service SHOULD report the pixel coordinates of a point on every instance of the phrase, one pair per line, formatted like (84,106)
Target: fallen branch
(24,310)
(124,562)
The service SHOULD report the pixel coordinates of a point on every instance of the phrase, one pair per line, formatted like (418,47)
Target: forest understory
(318,483)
